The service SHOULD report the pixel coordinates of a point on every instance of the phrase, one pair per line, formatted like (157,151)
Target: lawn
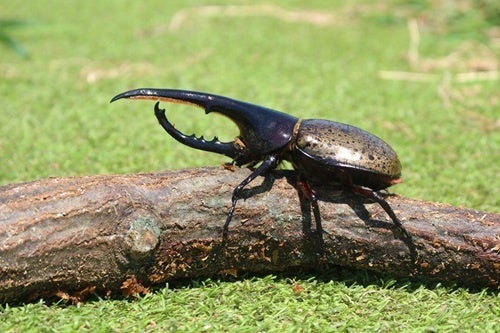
(421,75)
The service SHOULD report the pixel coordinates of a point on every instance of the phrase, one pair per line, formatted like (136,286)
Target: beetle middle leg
(310,195)
(269,163)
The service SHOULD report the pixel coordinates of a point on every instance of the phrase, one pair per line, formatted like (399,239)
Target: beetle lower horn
(230,149)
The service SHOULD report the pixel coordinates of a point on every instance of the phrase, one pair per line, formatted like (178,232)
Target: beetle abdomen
(343,146)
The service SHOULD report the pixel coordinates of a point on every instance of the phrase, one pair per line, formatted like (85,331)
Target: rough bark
(70,236)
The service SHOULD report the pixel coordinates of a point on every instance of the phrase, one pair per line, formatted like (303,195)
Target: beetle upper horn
(262,130)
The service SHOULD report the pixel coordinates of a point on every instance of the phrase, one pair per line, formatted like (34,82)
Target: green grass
(270,304)
(56,120)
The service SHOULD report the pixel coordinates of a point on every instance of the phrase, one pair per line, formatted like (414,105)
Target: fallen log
(68,237)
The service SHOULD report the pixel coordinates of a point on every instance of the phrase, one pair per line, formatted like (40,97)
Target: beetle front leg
(269,163)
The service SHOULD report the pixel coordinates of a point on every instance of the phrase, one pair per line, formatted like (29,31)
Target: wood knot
(142,237)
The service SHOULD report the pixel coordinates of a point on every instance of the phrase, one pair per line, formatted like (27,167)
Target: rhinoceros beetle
(321,151)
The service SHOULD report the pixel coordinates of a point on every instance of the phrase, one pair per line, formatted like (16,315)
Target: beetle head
(262,130)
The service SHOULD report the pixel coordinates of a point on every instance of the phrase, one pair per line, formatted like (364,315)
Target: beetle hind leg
(375,196)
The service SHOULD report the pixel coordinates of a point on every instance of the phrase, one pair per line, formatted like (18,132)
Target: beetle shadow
(263,187)
(337,195)
(310,212)
(312,239)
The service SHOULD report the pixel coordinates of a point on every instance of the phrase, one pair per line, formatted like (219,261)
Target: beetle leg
(375,196)
(269,163)
(310,195)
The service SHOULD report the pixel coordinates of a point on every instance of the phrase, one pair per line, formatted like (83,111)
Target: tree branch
(70,236)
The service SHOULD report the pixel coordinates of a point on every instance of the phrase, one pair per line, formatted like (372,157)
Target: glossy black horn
(262,130)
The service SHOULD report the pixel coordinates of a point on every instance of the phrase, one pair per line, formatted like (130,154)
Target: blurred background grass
(422,75)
